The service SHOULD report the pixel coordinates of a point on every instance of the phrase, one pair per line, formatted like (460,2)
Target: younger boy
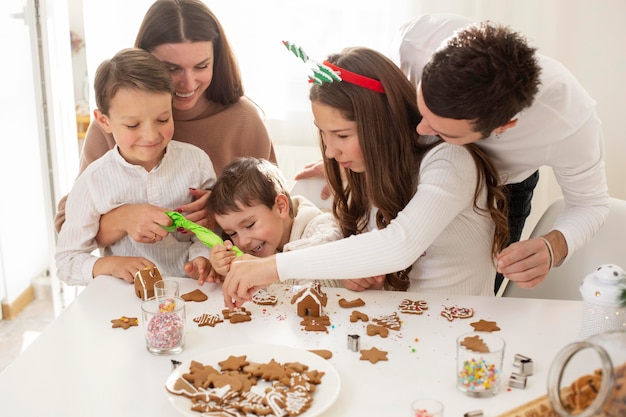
(252,206)
(134,99)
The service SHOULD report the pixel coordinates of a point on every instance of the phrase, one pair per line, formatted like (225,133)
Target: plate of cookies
(254,380)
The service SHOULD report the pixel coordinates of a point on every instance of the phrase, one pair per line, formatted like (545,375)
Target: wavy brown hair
(179,21)
(391,149)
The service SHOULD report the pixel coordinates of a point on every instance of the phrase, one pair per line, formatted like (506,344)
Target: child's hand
(362,284)
(124,267)
(198,268)
(221,257)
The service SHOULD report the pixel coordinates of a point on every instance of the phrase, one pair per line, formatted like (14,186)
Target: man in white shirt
(471,87)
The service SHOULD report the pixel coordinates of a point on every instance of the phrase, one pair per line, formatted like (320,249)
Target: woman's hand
(197,210)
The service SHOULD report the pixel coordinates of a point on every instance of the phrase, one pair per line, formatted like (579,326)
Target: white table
(81,366)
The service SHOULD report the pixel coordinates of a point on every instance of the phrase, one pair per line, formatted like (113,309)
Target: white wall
(587,36)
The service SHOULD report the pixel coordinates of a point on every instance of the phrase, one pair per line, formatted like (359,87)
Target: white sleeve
(76,240)
(447,182)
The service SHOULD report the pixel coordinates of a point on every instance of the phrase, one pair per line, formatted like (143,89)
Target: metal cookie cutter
(525,364)
(517,381)
(475,413)
(353,342)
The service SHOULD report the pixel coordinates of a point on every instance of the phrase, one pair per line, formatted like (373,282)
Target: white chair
(311,189)
(606,247)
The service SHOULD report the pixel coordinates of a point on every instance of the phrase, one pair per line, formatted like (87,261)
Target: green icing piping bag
(205,235)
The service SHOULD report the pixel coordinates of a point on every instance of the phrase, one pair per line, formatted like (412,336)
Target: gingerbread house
(310,300)
(144,282)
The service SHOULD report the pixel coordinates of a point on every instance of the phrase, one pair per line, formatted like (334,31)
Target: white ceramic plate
(325,393)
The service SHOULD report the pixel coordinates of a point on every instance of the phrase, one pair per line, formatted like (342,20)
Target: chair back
(606,247)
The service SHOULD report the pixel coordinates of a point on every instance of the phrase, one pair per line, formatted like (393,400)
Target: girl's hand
(362,284)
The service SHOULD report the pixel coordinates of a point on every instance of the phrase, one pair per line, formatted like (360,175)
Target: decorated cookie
(485,326)
(373,355)
(195,295)
(357,302)
(264,298)
(455,312)
(390,321)
(125,322)
(413,307)
(208,320)
(237,315)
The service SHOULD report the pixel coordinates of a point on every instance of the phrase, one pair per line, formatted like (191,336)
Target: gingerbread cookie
(485,326)
(315,324)
(357,302)
(234,363)
(455,312)
(238,315)
(390,321)
(475,343)
(264,298)
(413,307)
(125,322)
(357,315)
(373,355)
(195,295)
(373,330)
(208,320)
(324,353)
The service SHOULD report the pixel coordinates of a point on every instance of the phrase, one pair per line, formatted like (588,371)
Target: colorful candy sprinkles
(478,375)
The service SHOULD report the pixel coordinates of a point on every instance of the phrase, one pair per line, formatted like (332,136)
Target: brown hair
(130,68)
(390,146)
(486,73)
(248,181)
(178,21)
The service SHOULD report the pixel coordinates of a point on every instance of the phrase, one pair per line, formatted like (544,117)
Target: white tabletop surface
(81,366)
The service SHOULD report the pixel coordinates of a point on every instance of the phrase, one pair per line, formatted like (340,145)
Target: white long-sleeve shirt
(439,227)
(560,130)
(110,182)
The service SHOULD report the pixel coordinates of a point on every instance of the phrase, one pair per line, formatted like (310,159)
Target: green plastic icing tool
(205,235)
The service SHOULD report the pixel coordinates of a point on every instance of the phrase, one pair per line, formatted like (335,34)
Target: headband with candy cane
(328,73)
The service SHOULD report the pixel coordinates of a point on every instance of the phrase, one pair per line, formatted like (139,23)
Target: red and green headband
(328,73)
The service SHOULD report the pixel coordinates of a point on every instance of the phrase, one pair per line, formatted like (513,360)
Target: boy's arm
(123,267)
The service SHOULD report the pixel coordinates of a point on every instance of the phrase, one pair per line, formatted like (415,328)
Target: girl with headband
(417,214)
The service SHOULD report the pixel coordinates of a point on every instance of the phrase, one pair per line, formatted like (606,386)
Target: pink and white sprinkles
(478,375)
(165,331)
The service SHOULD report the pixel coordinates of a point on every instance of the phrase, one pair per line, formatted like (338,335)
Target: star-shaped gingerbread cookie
(125,322)
(373,355)
(485,326)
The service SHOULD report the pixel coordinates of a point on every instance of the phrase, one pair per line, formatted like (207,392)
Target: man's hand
(527,263)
